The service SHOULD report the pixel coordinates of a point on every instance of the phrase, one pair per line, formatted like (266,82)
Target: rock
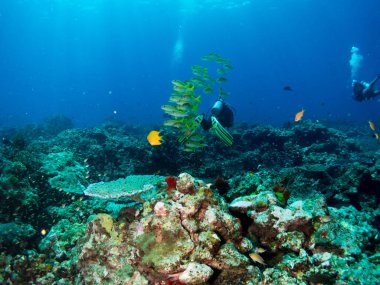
(250,276)
(16,234)
(195,273)
(228,257)
(279,227)
(258,203)
(348,233)
(65,172)
(183,236)
(185,183)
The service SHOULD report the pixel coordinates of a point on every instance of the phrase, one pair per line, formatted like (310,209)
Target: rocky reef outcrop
(189,237)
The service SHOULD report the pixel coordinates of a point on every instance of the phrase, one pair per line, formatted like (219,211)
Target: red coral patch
(172,183)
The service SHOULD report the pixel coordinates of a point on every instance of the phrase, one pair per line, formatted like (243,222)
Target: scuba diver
(221,117)
(365,91)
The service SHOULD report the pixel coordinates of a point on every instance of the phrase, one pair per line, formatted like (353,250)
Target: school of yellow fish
(186,97)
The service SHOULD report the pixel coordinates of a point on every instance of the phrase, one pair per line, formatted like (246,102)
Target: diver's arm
(371,85)
(377,92)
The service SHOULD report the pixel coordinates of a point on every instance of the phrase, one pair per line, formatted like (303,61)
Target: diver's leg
(221,132)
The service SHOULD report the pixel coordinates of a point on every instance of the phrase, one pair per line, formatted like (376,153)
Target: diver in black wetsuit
(222,112)
(365,91)
(221,117)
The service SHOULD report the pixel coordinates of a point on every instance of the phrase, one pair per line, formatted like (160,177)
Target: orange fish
(372,125)
(257,258)
(154,138)
(299,115)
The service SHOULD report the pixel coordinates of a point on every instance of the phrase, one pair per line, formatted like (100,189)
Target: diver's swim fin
(221,132)
(193,128)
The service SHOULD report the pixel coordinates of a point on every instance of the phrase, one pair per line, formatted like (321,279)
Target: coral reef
(292,205)
(133,187)
(64,172)
(309,240)
(185,236)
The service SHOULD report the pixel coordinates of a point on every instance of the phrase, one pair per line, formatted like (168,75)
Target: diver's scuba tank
(217,108)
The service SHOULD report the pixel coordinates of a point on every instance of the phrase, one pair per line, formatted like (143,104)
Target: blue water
(96,59)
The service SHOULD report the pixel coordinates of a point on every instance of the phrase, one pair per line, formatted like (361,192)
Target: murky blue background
(96,59)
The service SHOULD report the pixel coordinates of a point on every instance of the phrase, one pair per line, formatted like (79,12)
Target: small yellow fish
(182,86)
(177,113)
(325,219)
(299,115)
(376,136)
(178,83)
(210,57)
(223,93)
(257,258)
(221,80)
(372,125)
(185,107)
(182,89)
(167,108)
(196,139)
(228,66)
(43,232)
(208,78)
(175,98)
(199,70)
(221,71)
(198,82)
(173,123)
(193,144)
(154,138)
(260,250)
(189,149)
(208,89)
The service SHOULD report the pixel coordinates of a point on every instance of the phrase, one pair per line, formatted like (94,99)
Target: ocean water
(305,197)
(92,60)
